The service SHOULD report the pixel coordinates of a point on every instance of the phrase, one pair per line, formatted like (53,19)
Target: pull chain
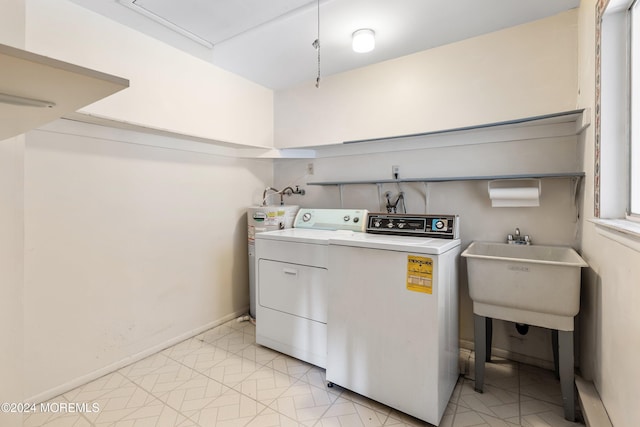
(316,44)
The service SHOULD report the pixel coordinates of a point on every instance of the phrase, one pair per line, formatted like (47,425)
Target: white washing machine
(392,330)
(291,277)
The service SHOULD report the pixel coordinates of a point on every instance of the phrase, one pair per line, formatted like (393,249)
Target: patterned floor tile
(234,341)
(154,414)
(146,366)
(40,417)
(499,373)
(164,378)
(365,401)
(180,350)
(317,377)
(494,402)
(540,384)
(304,402)
(289,365)
(229,410)
(232,370)
(245,326)
(467,419)
(222,378)
(120,403)
(271,418)
(205,357)
(265,385)
(259,354)
(216,333)
(344,412)
(397,418)
(67,420)
(530,406)
(547,419)
(93,390)
(193,394)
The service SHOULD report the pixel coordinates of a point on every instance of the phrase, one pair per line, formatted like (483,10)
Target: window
(634,121)
(618,126)
(617,123)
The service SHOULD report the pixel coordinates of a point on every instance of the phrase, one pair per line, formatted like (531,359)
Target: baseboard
(510,355)
(593,411)
(76,382)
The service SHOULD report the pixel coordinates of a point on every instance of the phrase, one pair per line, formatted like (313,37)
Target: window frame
(633,34)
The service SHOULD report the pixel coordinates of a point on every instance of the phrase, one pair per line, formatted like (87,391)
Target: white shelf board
(556,125)
(454,178)
(68,86)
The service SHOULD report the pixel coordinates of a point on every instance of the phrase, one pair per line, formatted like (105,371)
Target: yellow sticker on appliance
(420,274)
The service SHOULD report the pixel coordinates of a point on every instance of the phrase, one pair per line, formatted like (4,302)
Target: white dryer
(393,312)
(292,292)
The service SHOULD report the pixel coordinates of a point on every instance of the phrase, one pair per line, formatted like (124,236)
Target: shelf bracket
(575,195)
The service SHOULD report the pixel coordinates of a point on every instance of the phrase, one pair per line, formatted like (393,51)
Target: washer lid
(420,245)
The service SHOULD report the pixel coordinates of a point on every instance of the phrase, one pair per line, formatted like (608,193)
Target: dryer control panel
(439,226)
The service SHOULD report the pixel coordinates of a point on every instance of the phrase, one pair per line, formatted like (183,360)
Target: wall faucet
(517,239)
(264,195)
(289,191)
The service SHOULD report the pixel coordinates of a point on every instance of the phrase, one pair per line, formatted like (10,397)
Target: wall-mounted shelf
(38,89)
(557,125)
(455,178)
(564,124)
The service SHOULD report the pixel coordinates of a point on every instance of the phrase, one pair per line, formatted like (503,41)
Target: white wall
(553,223)
(165,83)
(11,275)
(12,23)
(127,248)
(609,318)
(11,238)
(517,72)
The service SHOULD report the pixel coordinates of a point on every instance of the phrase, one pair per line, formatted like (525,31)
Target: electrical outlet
(309,168)
(395,172)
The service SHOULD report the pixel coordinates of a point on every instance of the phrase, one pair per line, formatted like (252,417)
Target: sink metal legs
(563,360)
(567,383)
(483,336)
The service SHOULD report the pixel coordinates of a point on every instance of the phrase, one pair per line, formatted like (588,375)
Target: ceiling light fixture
(364,40)
(22,101)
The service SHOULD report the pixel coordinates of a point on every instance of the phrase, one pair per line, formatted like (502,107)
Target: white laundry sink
(533,284)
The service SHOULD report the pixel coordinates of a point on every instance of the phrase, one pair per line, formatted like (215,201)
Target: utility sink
(532,284)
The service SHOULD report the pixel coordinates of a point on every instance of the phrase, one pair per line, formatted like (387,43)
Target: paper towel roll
(514,197)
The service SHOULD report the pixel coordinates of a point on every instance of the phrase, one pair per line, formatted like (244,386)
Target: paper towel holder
(515,192)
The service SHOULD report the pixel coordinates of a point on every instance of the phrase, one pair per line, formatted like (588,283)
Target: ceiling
(270,41)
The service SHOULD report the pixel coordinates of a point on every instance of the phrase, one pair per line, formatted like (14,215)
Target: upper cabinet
(36,89)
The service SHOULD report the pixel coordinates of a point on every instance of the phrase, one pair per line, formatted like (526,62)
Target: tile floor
(222,378)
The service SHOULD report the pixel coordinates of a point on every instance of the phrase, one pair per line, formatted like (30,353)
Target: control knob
(346,218)
(439,224)
(306,217)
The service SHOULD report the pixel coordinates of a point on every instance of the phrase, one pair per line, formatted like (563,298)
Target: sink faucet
(517,239)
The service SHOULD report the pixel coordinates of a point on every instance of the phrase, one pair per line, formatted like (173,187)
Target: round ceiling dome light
(364,40)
